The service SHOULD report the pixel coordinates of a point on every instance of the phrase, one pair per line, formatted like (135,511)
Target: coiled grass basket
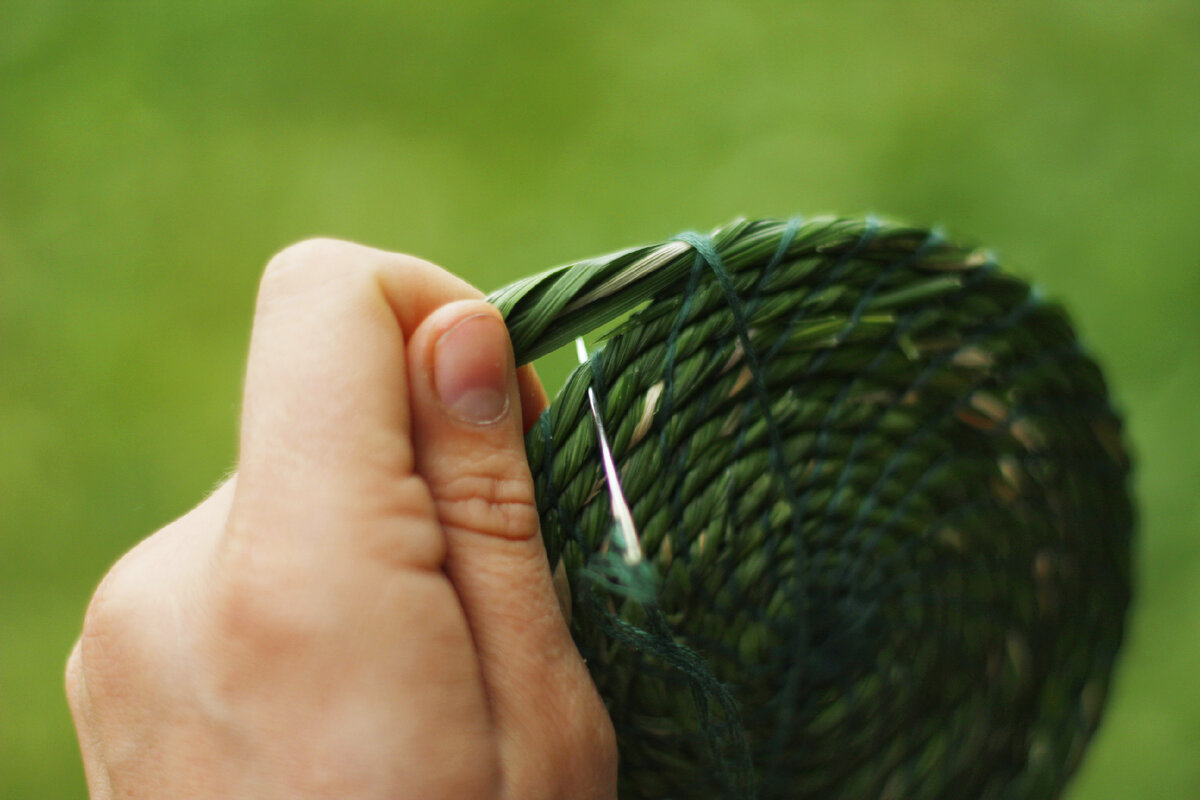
(882,499)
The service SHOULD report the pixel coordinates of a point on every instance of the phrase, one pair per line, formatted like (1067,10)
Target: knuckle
(305,255)
(595,738)
(117,640)
(76,693)
(107,619)
(252,607)
(304,266)
(500,506)
(246,617)
(247,635)
(315,263)
(396,528)
(407,533)
(577,754)
(604,740)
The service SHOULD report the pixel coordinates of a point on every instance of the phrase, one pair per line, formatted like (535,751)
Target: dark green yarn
(884,503)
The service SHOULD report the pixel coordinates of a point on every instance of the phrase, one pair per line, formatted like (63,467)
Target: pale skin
(364,610)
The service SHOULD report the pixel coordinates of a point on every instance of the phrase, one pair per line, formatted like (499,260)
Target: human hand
(365,610)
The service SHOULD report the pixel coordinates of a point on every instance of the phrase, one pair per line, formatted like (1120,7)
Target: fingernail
(471,369)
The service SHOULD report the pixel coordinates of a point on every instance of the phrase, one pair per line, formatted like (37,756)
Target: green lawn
(154,155)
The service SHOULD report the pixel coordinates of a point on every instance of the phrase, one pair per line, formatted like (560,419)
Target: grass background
(154,155)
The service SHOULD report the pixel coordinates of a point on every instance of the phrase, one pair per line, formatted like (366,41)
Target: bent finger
(326,427)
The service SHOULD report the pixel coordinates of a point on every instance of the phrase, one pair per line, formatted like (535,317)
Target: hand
(365,610)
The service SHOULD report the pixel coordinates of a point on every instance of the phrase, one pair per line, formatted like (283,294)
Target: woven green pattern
(883,500)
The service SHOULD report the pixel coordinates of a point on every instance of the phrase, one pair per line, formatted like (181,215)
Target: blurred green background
(153,156)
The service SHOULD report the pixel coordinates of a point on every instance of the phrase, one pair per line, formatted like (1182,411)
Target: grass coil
(883,499)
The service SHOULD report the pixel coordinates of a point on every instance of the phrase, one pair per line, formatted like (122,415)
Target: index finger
(325,422)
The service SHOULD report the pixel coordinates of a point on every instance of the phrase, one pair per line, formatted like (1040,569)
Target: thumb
(467,436)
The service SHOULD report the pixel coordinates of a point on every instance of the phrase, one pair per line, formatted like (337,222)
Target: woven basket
(882,499)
